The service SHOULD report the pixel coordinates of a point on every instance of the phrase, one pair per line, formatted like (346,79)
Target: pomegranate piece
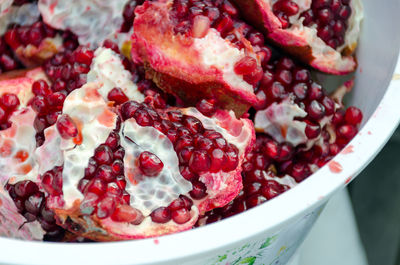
(197,51)
(295,108)
(113,190)
(323,34)
(21,199)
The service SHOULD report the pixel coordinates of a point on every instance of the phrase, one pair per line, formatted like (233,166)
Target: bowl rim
(330,178)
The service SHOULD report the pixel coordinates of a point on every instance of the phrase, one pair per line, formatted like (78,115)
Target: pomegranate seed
(353,116)
(161,215)
(187,174)
(317,4)
(105,207)
(206,107)
(199,161)
(97,186)
(105,173)
(117,95)
(347,131)
(316,110)
(201,25)
(193,124)
(25,188)
(256,39)
(9,101)
(111,45)
(312,130)
(217,160)
(128,214)
(177,204)
(245,66)
(83,55)
(180,216)
(199,190)
(66,127)
(7,63)
(150,164)
(34,202)
(103,155)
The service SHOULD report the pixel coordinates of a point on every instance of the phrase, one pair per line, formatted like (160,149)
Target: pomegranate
(321,33)
(110,182)
(200,50)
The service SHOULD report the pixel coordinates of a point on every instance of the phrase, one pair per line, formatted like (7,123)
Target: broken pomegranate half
(109,168)
(322,33)
(200,50)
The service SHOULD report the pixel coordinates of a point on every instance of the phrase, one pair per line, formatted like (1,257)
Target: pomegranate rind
(109,230)
(188,67)
(302,41)
(223,187)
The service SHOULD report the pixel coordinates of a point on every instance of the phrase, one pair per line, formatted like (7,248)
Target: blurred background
(375,196)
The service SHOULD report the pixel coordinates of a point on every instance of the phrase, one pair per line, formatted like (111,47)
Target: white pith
(281,116)
(223,56)
(26,14)
(22,135)
(149,193)
(107,69)
(84,110)
(4,6)
(92,21)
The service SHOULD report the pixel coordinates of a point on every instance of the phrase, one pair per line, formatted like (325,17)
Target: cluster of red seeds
(104,186)
(330,16)
(9,102)
(31,203)
(34,34)
(199,150)
(67,72)
(284,79)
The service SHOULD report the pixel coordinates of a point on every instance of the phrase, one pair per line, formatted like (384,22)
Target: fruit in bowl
(179,115)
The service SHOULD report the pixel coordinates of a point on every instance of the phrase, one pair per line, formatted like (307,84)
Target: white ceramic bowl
(270,233)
